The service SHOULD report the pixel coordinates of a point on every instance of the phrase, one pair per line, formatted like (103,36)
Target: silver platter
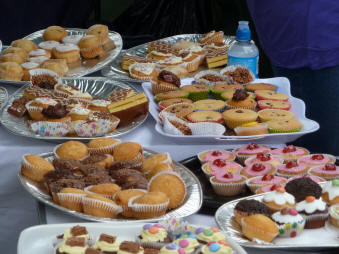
(191,204)
(114,70)
(226,221)
(3,96)
(100,87)
(86,66)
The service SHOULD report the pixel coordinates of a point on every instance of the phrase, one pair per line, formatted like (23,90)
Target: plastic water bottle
(244,52)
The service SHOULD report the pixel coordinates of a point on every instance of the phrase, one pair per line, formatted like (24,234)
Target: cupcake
(106,190)
(122,198)
(251,149)
(39,52)
(259,181)
(108,244)
(330,193)
(196,92)
(149,205)
(99,105)
(99,206)
(35,167)
(191,61)
(72,150)
(79,113)
(270,104)
(313,178)
(211,155)
(142,71)
(11,57)
(219,247)
(289,221)
(227,184)
(36,106)
(90,47)
(71,198)
(260,86)
(284,126)
(236,117)
(291,168)
(315,211)
(219,89)
(11,71)
(26,67)
(151,162)
(278,199)
(258,169)
(166,103)
(179,94)
(72,245)
(209,104)
(129,154)
(99,30)
(72,39)
(21,52)
(54,33)
(247,207)
(128,247)
(239,74)
(25,44)
(228,94)
(56,113)
(269,187)
(334,215)
(204,116)
(102,145)
(264,157)
(157,55)
(241,99)
(166,81)
(209,78)
(251,128)
(154,236)
(270,95)
(48,45)
(220,166)
(290,152)
(317,160)
(69,52)
(76,231)
(260,227)
(328,172)
(172,248)
(208,234)
(162,167)
(170,61)
(274,114)
(188,242)
(302,187)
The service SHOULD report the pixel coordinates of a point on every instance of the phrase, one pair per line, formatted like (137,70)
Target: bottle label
(249,62)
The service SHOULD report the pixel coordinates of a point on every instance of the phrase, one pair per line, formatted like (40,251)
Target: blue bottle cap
(243,31)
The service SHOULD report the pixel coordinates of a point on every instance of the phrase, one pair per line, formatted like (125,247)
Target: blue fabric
(298,33)
(320,91)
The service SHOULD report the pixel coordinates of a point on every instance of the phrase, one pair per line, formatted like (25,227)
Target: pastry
(56,113)
(18,108)
(36,106)
(313,178)
(251,149)
(35,167)
(180,110)
(209,234)
(11,71)
(209,78)
(72,150)
(271,104)
(37,59)
(191,61)
(227,184)
(204,116)
(315,211)
(302,187)
(79,113)
(25,44)
(170,61)
(179,94)
(39,52)
(99,105)
(165,103)
(54,33)
(100,31)
(106,190)
(313,160)
(220,166)
(212,37)
(236,117)
(57,65)
(238,74)
(260,227)
(48,45)
(209,104)
(270,95)
(260,86)
(188,242)
(11,57)
(289,221)
(142,71)
(67,90)
(99,206)
(102,145)
(157,55)
(216,45)
(292,168)
(328,171)
(129,153)
(90,47)
(72,39)
(122,198)
(211,155)
(127,247)
(166,182)
(290,152)
(247,207)
(278,199)
(241,99)
(76,231)
(257,182)
(150,163)
(251,128)
(149,205)
(107,244)
(19,51)
(120,94)
(104,160)
(183,44)
(258,169)
(282,126)
(268,188)
(274,114)
(128,60)
(216,57)
(159,168)
(69,52)
(160,46)
(330,193)
(26,67)
(72,245)
(71,198)
(334,215)
(166,81)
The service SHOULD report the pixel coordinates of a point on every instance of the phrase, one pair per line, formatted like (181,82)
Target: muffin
(260,86)
(211,155)
(57,65)
(166,81)
(90,46)
(179,94)
(274,114)
(72,150)
(196,91)
(302,187)
(172,248)
(278,199)
(212,37)
(25,44)
(79,113)
(170,61)
(209,104)
(48,45)
(149,205)
(219,89)
(284,126)
(26,67)
(204,116)
(264,157)
(188,244)
(330,193)
(39,52)
(208,234)
(315,211)
(99,105)
(220,166)
(106,190)
(247,207)
(268,188)
(54,33)
(258,169)
(19,51)
(99,206)
(166,182)
(72,245)
(292,168)
(122,198)
(160,168)
(241,99)
(270,104)
(260,227)
(36,106)
(334,215)
(191,61)
(251,128)
(102,145)
(259,181)
(328,172)
(56,113)
(228,184)
(100,31)
(35,167)
(209,78)
(76,231)
(314,160)
(249,150)
(236,117)
(270,95)
(153,161)
(71,198)
(72,39)
(129,153)
(180,110)
(108,244)
(154,236)
(11,71)
(290,152)
(69,52)
(11,57)
(239,74)
(289,221)
(142,71)
(165,103)
(128,247)
(216,247)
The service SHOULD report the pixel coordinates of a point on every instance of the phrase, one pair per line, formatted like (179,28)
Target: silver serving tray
(3,96)
(114,70)
(225,220)
(100,87)
(87,66)
(191,204)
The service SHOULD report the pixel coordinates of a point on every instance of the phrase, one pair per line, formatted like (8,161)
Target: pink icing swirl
(220,178)
(308,160)
(243,150)
(229,165)
(298,152)
(284,169)
(225,155)
(267,188)
(321,170)
(248,170)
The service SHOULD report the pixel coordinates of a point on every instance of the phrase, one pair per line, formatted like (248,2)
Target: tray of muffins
(183,54)
(51,108)
(228,105)
(227,175)
(111,181)
(71,52)
(169,236)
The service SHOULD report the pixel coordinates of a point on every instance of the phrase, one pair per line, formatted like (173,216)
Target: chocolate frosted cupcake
(129,179)
(249,207)
(107,244)
(72,245)
(66,164)
(104,160)
(56,113)
(302,187)
(241,99)
(315,211)
(154,236)
(166,81)
(76,231)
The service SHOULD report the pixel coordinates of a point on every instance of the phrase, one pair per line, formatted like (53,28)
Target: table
(18,210)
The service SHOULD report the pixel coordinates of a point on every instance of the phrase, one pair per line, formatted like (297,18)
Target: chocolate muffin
(92,169)
(249,207)
(58,185)
(129,179)
(58,174)
(103,160)
(93,179)
(66,164)
(302,187)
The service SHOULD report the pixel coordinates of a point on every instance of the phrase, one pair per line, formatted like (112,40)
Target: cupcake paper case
(289,221)
(315,211)
(228,184)
(317,159)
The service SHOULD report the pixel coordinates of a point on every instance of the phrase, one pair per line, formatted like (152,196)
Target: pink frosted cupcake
(269,187)
(259,181)
(212,155)
(317,160)
(228,184)
(264,157)
(291,168)
(290,152)
(258,169)
(329,171)
(313,178)
(220,165)
(251,149)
